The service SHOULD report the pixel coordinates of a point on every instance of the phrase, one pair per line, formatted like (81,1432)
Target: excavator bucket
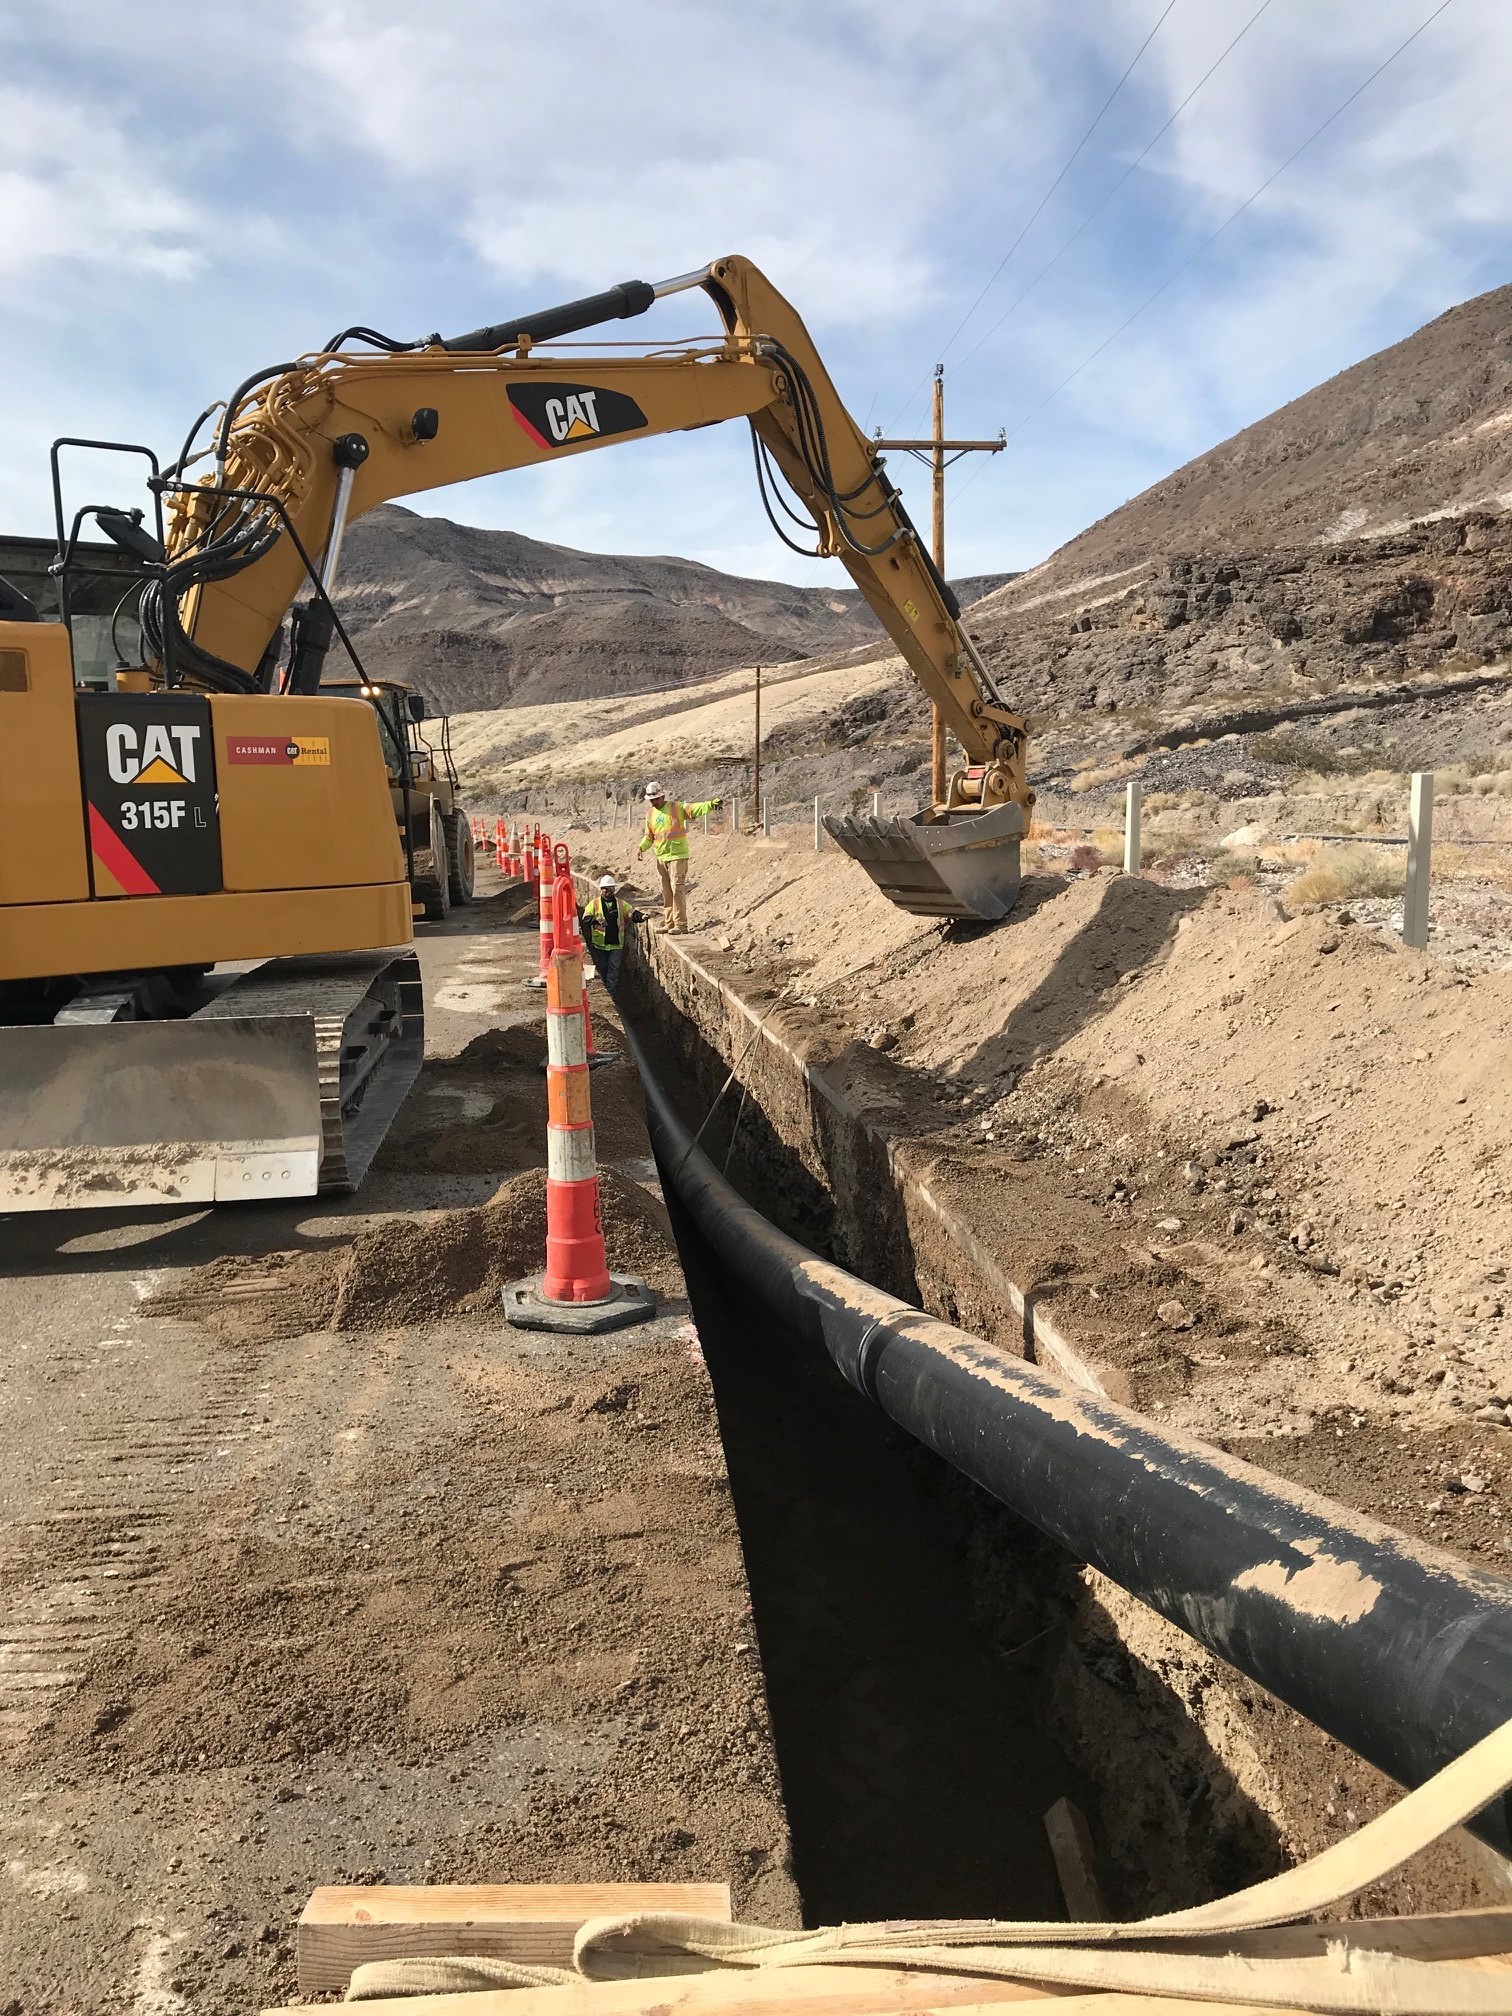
(961,864)
(282,1086)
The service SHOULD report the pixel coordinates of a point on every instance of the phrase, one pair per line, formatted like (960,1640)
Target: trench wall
(1208,1782)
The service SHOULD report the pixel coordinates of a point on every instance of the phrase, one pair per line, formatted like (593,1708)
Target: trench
(915,1761)
(940,1672)
(912,1630)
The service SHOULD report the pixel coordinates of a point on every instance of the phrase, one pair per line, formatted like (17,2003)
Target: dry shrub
(1174,843)
(1106,773)
(1485,776)
(1339,873)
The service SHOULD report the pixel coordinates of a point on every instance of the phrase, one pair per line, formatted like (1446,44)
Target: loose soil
(312,1570)
(485,1109)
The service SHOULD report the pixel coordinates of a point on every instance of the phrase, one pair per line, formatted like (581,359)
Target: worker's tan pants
(674,877)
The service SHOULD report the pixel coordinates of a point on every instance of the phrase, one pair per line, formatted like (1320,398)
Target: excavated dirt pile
(485,1111)
(1256,1165)
(418,1270)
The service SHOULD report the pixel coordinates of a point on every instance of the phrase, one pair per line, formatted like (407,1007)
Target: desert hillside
(486,619)
(1358,532)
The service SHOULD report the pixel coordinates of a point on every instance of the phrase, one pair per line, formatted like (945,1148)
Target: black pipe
(1402,1653)
(631,297)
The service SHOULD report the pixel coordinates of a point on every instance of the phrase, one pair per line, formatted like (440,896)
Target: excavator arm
(303,450)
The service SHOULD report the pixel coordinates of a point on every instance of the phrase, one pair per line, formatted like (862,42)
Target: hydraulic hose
(1402,1653)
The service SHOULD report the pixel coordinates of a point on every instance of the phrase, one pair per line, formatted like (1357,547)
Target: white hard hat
(607,882)
(654,790)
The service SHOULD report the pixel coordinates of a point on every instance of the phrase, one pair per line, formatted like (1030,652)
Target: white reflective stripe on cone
(566,1037)
(570,1154)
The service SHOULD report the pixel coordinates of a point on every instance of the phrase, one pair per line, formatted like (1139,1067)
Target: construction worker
(667,831)
(604,928)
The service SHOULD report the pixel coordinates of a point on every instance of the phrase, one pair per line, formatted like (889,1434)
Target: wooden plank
(812,1991)
(808,1991)
(1075,1862)
(345,1925)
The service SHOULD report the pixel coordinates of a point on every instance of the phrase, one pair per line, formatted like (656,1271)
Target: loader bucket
(963,864)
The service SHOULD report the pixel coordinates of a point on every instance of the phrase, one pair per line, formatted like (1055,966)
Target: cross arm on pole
(927,447)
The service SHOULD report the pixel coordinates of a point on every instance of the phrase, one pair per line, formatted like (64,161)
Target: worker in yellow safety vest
(603,919)
(667,832)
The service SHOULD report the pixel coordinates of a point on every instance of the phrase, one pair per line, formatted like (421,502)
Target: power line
(1099,207)
(1212,239)
(1066,168)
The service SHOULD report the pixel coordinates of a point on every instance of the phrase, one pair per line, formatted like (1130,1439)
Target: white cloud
(186,192)
(75,189)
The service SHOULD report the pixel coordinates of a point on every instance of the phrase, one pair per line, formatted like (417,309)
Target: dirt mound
(456,1263)
(484,1111)
(417,1270)
(1179,1117)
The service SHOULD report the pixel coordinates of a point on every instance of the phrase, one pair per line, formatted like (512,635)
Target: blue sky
(189,192)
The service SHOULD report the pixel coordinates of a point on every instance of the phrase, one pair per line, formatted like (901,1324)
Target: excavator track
(368,1012)
(283,1085)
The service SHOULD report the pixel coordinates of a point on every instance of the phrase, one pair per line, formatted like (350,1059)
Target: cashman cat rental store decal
(303,752)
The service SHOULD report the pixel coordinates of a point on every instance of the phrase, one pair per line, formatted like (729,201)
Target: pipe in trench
(1400,1652)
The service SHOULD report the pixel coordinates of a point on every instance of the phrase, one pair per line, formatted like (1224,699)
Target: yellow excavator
(197,862)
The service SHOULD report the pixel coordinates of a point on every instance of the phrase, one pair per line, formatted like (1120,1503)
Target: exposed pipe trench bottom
(1400,1653)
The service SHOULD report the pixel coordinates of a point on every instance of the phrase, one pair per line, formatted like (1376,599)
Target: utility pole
(756,792)
(939,454)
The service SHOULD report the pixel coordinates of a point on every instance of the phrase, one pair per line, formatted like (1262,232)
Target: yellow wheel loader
(198,862)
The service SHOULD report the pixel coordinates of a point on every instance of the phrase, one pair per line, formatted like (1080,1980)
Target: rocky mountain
(1362,531)
(486,619)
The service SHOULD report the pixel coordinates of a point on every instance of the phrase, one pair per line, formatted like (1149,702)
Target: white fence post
(766,818)
(817,841)
(876,804)
(734,815)
(706,823)
(1419,857)
(1133,803)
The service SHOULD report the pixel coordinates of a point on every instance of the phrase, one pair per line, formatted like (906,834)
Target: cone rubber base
(629,1301)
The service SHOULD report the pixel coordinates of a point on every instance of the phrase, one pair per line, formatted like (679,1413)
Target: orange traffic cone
(575,1291)
(546,872)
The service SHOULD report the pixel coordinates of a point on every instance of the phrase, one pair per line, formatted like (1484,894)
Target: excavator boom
(331,436)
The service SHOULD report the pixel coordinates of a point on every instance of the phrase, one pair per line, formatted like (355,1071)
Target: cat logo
(162,755)
(566,416)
